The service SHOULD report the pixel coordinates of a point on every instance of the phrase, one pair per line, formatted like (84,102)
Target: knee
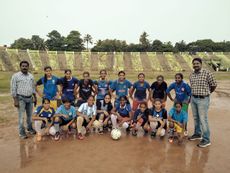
(56,119)
(73,125)
(80,119)
(113,116)
(101,116)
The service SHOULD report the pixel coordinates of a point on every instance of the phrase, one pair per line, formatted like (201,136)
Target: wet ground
(99,153)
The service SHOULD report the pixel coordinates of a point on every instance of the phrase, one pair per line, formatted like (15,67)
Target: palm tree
(88,39)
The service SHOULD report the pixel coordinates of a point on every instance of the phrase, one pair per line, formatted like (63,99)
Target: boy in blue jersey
(65,116)
(121,114)
(122,87)
(158,119)
(69,86)
(182,92)
(177,121)
(102,86)
(50,84)
(139,89)
(42,117)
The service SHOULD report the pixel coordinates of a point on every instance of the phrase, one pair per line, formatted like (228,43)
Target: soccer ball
(115,134)
(52,131)
(96,124)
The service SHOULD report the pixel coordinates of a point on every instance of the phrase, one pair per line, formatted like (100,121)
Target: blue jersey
(68,88)
(103,88)
(181,117)
(162,114)
(121,88)
(71,112)
(50,87)
(140,93)
(182,90)
(124,111)
(43,113)
(144,115)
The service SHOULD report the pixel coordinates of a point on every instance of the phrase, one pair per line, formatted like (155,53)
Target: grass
(136,61)
(69,59)
(173,63)
(53,59)
(102,57)
(35,59)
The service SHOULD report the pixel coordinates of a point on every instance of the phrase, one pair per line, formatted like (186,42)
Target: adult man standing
(22,91)
(203,84)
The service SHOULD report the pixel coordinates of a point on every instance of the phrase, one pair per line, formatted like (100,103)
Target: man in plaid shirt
(203,84)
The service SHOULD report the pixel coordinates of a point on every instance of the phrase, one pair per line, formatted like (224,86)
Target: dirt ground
(99,153)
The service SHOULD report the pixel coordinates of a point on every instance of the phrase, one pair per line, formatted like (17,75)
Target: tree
(110,46)
(157,46)
(38,43)
(55,41)
(74,41)
(180,46)
(22,43)
(144,41)
(88,39)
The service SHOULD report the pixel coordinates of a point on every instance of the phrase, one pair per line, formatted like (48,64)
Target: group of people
(69,103)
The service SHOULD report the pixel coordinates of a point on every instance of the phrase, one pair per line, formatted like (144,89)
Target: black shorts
(64,121)
(85,123)
(98,116)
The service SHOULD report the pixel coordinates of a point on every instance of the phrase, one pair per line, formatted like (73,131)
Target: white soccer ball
(52,131)
(116,134)
(96,124)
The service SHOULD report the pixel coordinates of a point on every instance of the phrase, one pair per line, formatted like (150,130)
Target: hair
(157,100)
(141,74)
(197,59)
(65,100)
(160,76)
(91,96)
(45,68)
(24,62)
(179,74)
(45,99)
(104,98)
(126,99)
(144,103)
(103,70)
(178,103)
(86,72)
(65,82)
(121,72)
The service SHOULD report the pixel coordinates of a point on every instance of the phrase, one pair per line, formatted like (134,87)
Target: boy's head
(178,106)
(121,75)
(46,103)
(141,77)
(157,103)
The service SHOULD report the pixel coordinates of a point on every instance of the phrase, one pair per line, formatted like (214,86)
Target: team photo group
(74,106)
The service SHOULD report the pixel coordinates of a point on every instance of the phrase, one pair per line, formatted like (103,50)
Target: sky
(166,20)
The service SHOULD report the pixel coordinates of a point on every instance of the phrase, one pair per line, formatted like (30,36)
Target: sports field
(99,153)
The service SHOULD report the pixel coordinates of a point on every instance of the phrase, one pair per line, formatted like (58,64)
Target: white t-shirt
(87,110)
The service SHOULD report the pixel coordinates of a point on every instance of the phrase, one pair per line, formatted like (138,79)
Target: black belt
(25,96)
(201,97)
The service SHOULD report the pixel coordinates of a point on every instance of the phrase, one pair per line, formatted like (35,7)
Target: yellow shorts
(178,128)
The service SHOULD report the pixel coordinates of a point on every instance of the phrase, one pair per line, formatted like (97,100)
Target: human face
(142,107)
(122,102)
(103,75)
(68,75)
(178,107)
(86,77)
(24,68)
(46,104)
(159,80)
(67,105)
(196,65)
(107,99)
(90,101)
(121,76)
(178,79)
(141,78)
(48,72)
(157,105)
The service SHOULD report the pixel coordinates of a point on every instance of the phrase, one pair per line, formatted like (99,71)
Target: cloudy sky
(167,20)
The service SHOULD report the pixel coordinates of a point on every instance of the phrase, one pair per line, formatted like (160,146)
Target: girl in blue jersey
(69,86)
(158,119)
(121,114)
(50,86)
(43,117)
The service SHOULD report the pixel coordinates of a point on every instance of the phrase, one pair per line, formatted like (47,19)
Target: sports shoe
(194,137)
(153,134)
(134,133)
(170,140)
(31,131)
(24,136)
(186,133)
(57,136)
(203,144)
